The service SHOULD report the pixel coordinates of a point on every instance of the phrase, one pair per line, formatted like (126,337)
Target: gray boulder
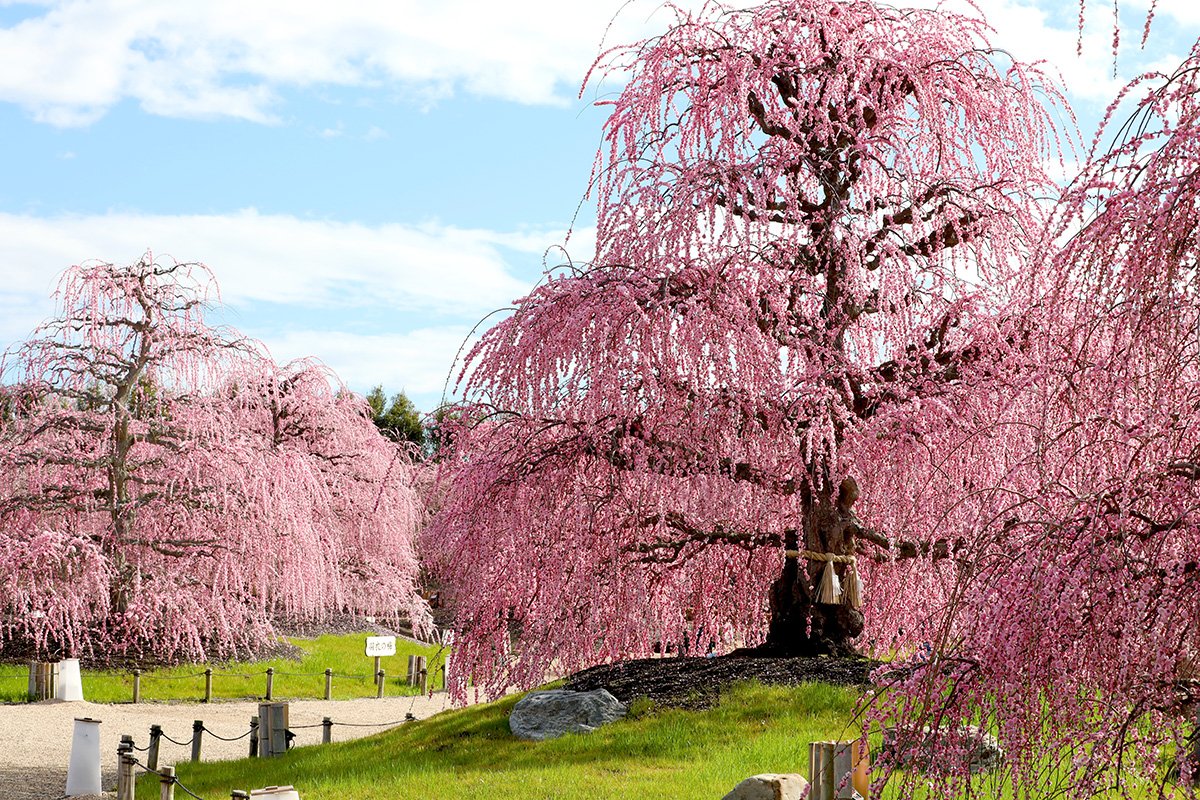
(771,786)
(943,749)
(550,714)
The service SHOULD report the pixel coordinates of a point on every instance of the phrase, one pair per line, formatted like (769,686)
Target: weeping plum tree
(809,217)
(1075,624)
(165,489)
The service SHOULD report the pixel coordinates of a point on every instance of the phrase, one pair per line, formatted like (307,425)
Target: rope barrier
(224,739)
(181,744)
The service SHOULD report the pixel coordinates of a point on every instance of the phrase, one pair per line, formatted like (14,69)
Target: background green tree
(399,419)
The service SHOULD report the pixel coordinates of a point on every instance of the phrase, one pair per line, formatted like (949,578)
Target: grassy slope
(470,754)
(343,654)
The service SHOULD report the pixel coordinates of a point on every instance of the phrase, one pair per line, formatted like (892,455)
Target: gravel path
(35,738)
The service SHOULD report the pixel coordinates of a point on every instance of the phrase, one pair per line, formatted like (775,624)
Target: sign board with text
(381,646)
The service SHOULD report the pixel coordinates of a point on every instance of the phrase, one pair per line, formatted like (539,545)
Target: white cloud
(301,286)
(283,259)
(70,64)
(78,58)
(419,362)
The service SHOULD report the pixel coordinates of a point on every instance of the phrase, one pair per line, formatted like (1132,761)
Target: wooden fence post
(379,678)
(125,780)
(152,751)
(166,783)
(137,685)
(326,730)
(254,737)
(32,693)
(208,685)
(424,685)
(421,673)
(270,682)
(328,684)
(123,749)
(411,678)
(197,739)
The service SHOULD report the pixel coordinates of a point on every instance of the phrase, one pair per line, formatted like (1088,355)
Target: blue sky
(367,180)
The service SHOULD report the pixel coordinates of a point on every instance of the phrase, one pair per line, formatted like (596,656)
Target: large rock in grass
(550,714)
(771,786)
(943,749)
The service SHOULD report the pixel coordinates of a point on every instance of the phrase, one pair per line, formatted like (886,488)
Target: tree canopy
(811,221)
(847,372)
(166,489)
(399,419)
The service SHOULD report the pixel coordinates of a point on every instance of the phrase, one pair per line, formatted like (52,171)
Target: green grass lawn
(470,753)
(241,680)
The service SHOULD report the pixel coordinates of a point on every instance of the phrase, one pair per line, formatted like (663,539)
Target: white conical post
(83,770)
(70,683)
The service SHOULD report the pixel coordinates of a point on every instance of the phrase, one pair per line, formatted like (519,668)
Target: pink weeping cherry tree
(1074,629)
(166,490)
(811,217)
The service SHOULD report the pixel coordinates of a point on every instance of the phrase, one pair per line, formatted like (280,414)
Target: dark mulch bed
(696,683)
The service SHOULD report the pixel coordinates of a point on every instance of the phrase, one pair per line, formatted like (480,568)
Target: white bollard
(83,770)
(70,682)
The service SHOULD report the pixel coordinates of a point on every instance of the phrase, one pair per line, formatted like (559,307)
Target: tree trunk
(801,626)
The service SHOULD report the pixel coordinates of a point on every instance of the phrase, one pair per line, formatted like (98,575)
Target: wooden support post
(862,768)
(328,684)
(208,685)
(411,678)
(270,682)
(125,777)
(137,685)
(166,783)
(326,730)
(43,675)
(424,683)
(253,737)
(124,750)
(379,678)
(378,666)
(197,739)
(838,771)
(152,752)
(422,674)
(272,729)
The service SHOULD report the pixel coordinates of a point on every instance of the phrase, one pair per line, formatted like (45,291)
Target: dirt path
(35,738)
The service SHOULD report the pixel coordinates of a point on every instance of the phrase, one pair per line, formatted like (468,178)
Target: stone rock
(771,786)
(943,749)
(550,714)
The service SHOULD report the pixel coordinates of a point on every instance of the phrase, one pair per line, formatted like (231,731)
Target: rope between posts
(146,675)
(224,739)
(364,724)
(181,744)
